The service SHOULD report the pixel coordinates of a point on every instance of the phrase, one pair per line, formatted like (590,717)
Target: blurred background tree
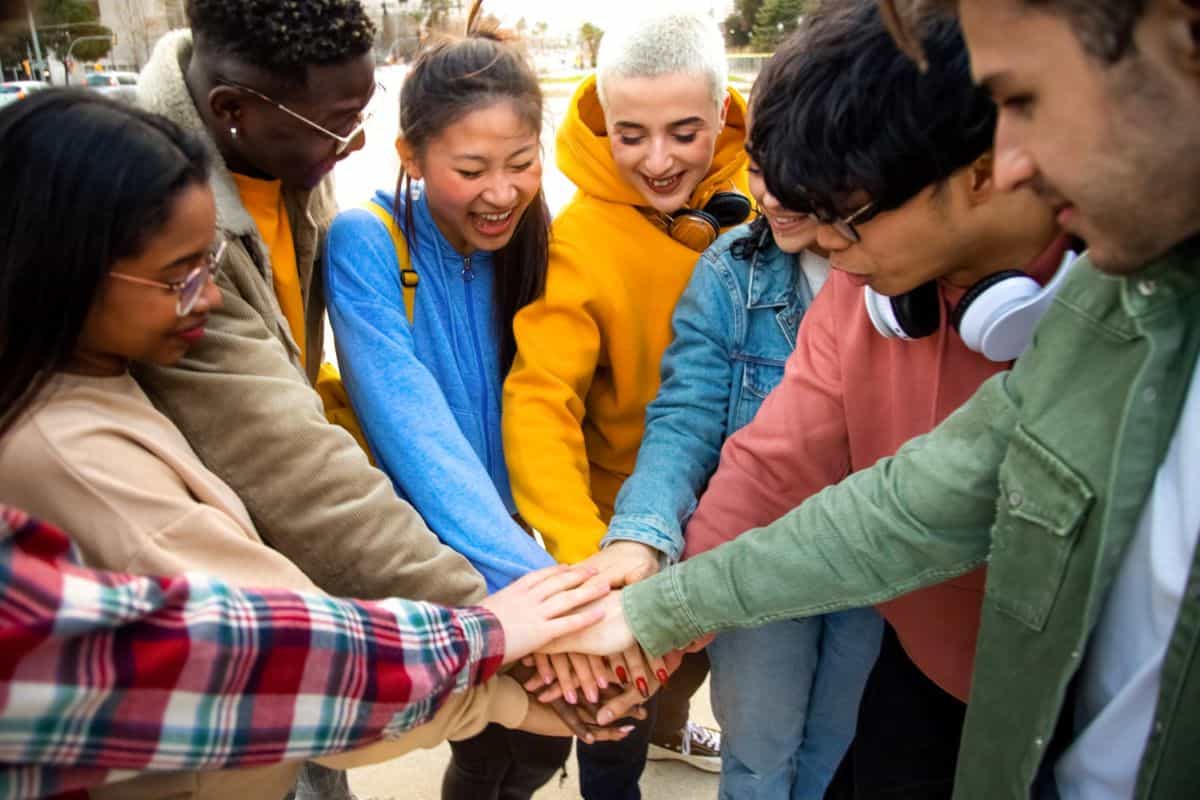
(589,39)
(740,24)
(775,20)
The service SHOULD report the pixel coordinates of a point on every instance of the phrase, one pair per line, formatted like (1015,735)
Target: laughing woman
(423,286)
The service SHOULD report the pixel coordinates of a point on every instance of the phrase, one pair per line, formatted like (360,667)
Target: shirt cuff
(485,646)
(658,615)
(647,529)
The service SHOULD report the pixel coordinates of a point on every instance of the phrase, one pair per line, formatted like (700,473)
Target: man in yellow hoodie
(654,142)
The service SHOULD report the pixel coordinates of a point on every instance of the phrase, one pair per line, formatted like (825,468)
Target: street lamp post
(37,46)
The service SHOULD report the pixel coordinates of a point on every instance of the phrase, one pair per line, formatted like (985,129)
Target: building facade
(137,25)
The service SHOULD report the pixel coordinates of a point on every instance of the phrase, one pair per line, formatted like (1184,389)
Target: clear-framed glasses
(845,225)
(343,142)
(193,284)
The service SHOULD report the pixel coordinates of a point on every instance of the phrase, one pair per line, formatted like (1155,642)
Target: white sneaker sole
(706,763)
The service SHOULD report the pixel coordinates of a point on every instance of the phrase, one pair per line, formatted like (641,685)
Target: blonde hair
(664,44)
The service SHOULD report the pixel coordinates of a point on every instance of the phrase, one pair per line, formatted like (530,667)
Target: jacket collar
(773,275)
(163,90)
(1169,285)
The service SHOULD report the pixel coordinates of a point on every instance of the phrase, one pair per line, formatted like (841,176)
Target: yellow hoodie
(589,350)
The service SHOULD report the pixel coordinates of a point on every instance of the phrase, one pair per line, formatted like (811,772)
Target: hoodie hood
(584,156)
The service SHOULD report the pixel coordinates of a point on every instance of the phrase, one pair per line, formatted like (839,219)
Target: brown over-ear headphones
(699,228)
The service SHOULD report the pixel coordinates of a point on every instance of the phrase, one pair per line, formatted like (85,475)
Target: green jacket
(1042,474)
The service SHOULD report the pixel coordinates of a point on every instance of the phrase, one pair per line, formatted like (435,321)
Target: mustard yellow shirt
(264,202)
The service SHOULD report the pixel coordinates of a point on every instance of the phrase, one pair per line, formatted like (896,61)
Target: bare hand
(610,635)
(544,605)
(543,721)
(623,563)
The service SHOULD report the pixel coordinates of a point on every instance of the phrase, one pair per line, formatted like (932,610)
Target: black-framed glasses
(844,226)
(343,142)
(193,284)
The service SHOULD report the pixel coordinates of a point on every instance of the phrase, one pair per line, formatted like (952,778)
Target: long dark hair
(86,182)
(448,80)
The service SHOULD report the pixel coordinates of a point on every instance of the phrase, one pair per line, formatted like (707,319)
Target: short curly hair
(283,36)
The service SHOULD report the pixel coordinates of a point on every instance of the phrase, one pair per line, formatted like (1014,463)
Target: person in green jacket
(1072,475)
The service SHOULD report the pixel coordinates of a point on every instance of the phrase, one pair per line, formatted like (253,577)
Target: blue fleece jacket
(428,395)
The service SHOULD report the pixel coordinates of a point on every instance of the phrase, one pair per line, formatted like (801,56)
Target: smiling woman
(469,219)
(156,224)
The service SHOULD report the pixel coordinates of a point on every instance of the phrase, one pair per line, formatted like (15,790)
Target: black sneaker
(695,745)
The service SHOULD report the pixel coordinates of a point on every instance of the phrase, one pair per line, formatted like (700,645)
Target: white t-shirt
(815,269)
(1119,684)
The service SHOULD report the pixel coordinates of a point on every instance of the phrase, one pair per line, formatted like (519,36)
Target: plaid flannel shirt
(105,675)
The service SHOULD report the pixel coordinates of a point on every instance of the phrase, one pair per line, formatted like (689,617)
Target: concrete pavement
(418,776)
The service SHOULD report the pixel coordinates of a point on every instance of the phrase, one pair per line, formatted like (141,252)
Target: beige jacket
(95,458)
(245,402)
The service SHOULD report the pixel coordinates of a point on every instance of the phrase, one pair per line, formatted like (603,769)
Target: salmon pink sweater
(850,397)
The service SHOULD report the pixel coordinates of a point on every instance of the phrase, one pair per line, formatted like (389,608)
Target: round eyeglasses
(844,226)
(193,284)
(342,143)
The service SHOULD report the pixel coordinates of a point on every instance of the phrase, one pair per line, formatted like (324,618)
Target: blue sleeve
(686,423)
(403,413)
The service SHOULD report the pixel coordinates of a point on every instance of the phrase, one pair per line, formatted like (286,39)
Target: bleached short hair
(664,44)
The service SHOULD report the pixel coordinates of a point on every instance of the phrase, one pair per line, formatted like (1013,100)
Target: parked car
(12,91)
(117,85)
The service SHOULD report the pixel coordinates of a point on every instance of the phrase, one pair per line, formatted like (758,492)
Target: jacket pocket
(759,379)
(1042,506)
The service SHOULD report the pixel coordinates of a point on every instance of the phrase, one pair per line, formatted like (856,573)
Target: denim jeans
(786,696)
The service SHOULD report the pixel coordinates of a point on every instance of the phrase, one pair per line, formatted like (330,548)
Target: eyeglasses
(845,225)
(192,286)
(343,142)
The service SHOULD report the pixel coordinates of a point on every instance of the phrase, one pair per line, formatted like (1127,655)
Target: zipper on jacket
(468,276)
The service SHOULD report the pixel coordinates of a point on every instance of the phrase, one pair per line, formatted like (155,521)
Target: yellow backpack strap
(408,276)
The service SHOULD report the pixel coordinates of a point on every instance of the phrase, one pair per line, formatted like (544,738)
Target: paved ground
(419,775)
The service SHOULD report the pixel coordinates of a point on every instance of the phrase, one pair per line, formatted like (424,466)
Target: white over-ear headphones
(996,317)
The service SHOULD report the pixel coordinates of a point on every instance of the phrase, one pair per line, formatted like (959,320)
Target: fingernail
(592,696)
(662,676)
(602,681)
(571,698)
(589,738)
(622,675)
(643,688)
(604,717)
(627,729)
(548,679)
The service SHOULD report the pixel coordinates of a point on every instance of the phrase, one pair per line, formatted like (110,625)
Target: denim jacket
(734,326)
(1043,474)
